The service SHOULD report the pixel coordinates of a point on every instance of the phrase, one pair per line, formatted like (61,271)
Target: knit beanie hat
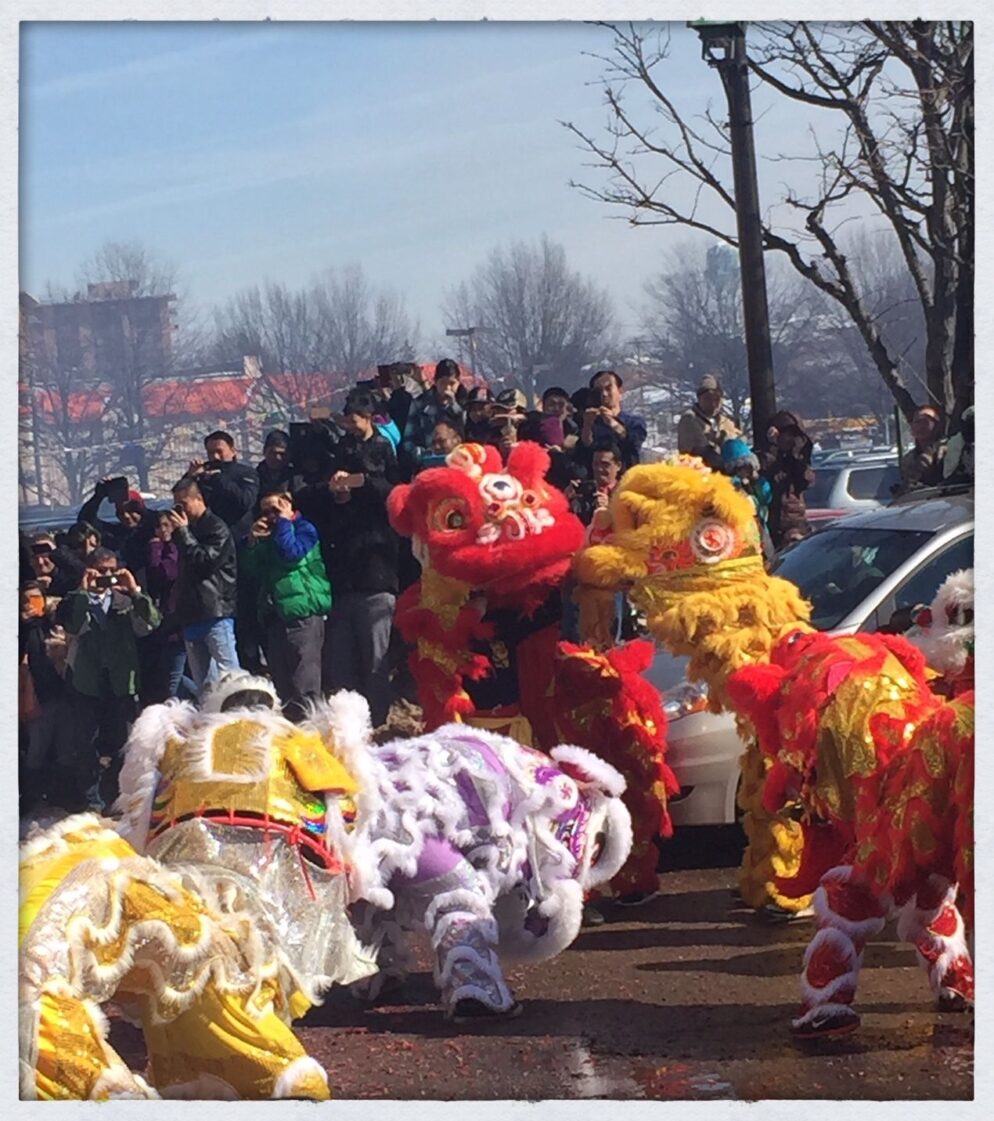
(736,453)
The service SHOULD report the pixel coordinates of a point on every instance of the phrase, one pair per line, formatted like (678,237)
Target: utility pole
(724,48)
(468,333)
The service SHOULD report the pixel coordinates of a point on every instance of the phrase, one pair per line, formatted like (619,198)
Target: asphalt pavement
(688,997)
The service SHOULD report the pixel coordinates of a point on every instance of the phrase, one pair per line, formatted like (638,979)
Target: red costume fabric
(881,767)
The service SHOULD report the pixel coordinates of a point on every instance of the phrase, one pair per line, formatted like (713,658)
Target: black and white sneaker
(636,898)
(592,916)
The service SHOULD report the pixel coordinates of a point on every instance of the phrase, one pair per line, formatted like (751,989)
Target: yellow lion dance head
(685,545)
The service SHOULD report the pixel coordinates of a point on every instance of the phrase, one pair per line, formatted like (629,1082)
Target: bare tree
(693,323)
(359,326)
(535,316)
(902,95)
(338,325)
(160,334)
(90,356)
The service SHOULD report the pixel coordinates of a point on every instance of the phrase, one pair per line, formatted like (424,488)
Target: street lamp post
(724,48)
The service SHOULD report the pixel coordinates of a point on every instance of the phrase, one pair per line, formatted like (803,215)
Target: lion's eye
(450,516)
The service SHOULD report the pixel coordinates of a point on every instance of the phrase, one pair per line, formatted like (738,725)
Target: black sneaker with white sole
(469,1011)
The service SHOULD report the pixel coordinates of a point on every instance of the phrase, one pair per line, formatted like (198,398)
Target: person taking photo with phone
(103,619)
(362,554)
(283,559)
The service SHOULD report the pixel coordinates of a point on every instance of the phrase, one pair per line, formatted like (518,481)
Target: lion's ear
(753,690)
(528,463)
(399,510)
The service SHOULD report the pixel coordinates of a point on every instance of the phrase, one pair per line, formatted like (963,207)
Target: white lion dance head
(944,631)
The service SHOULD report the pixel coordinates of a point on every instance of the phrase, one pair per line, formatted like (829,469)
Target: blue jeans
(213,654)
(180,683)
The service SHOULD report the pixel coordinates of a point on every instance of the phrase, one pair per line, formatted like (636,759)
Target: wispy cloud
(164,63)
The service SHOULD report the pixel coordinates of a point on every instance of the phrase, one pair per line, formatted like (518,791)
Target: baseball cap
(709,384)
(512,399)
(557,389)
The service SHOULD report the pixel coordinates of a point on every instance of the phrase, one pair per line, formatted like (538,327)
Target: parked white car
(863,573)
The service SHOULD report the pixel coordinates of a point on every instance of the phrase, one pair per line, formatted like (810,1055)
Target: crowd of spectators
(291,567)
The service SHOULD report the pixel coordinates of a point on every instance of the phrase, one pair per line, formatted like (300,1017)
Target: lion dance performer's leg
(379,928)
(72,1060)
(98,922)
(229,1040)
(933,924)
(603,703)
(775,844)
(848,914)
(457,906)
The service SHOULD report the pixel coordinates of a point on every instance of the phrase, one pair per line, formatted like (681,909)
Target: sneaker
(636,898)
(592,916)
(827,1023)
(469,1011)
(952,1001)
(776,915)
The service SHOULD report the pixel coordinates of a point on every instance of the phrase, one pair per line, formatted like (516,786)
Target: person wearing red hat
(130,534)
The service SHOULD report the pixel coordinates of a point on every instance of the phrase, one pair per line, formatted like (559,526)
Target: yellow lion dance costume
(214,915)
(684,544)
(97,921)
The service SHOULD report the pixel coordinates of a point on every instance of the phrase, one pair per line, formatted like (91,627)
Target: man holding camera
(604,420)
(103,619)
(130,534)
(230,488)
(435,404)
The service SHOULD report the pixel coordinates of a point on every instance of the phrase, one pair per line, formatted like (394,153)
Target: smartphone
(354,481)
(106,581)
(117,490)
(319,412)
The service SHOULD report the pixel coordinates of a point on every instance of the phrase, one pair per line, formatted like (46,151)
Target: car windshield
(838,568)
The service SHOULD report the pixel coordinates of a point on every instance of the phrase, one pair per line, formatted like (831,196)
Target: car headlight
(685,699)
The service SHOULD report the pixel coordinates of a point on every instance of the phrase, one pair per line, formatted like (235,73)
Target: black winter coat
(231,491)
(206,587)
(359,547)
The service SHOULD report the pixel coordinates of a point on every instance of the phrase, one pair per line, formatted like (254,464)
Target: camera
(108,580)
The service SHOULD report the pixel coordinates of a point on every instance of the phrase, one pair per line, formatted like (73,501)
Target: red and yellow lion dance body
(495,544)
(883,767)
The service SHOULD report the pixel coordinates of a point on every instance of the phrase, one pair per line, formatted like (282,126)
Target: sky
(245,152)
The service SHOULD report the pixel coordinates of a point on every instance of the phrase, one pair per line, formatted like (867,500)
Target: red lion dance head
(501,530)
